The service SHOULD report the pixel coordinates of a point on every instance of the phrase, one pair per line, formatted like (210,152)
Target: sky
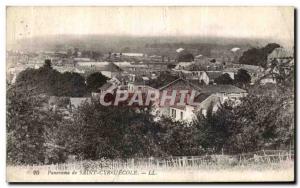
(237,22)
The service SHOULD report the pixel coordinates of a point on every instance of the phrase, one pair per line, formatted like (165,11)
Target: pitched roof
(213,74)
(235,49)
(179,50)
(181,82)
(210,100)
(281,53)
(201,97)
(162,81)
(221,89)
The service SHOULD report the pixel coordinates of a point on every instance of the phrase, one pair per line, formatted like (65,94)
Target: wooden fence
(206,161)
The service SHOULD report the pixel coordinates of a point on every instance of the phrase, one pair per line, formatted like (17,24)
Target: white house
(206,96)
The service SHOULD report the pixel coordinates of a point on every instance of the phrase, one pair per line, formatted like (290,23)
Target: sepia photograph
(150,94)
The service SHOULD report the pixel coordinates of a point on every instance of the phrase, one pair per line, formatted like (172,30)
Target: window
(173,113)
(181,115)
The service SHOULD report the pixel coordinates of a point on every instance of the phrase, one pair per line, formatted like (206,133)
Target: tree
(213,130)
(262,122)
(48,64)
(24,128)
(224,79)
(34,135)
(69,84)
(38,81)
(178,139)
(113,132)
(95,80)
(242,77)
(258,56)
(185,56)
(47,80)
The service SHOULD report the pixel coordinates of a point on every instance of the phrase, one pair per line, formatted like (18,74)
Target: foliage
(46,80)
(37,81)
(69,84)
(113,132)
(242,77)
(257,56)
(178,139)
(213,129)
(185,56)
(34,134)
(95,80)
(262,122)
(224,79)
(24,129)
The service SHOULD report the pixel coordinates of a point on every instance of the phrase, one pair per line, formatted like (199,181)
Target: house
(181,113)
(82,59)
(205,97)
(139,83)
(206,101)
(198,56)
(194,75)
(235,49)
(124,65)
(230,71)
(139,68)
(280,54)
(179,50)
(183,65)
(268,79)
(133,54)
(225,92)
(212,75)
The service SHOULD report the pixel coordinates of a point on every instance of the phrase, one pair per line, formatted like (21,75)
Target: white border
(4,3)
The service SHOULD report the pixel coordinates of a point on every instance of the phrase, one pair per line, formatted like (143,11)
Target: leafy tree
(48,64)
(95,80)
(34,134)
(258,56)
(185,56)
(263,122)
(46,80)
(178,139)
(69,84)
(213,129)
(38,81)
(242,77)
(171,66)
(224,79)
(24,128)
(113,132)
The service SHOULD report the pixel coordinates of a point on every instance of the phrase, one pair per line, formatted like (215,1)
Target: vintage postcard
(150,94)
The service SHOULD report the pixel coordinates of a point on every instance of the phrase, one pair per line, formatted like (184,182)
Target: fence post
(132,162)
